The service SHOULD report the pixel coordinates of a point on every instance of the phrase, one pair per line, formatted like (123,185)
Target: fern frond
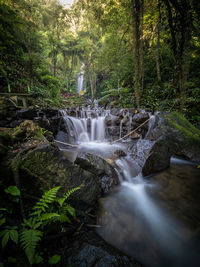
(29,240)
(48,216)
(66,195)
(47,198)
(31,223)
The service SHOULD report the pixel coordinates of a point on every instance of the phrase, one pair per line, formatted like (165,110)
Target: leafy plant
(54,259)
(10,232)
(44,212)
(30,236)
(12,190)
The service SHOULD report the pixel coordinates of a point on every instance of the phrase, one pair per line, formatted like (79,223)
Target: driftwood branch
(130,132)
(67,144)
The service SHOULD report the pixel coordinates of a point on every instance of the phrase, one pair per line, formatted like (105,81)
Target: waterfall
(80,80)
(90,126)
(136,223)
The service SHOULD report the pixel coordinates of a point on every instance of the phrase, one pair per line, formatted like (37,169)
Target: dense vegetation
(136,52)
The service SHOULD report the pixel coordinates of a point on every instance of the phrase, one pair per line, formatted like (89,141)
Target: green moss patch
(179,123)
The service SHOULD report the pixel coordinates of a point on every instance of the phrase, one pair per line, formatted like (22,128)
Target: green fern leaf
(66,195)
(62,218)
(47,198)
(71,211)
(29,240)
(48,216)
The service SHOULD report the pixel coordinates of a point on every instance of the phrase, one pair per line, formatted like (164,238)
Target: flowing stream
(131,218)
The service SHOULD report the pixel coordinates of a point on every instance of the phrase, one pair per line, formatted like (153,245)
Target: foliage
(51,43)
(47,210)
(13,190)
(10,232)
(54,259)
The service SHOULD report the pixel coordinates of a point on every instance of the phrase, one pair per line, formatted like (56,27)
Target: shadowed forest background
(136,52)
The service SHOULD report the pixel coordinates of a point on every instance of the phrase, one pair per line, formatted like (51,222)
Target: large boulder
(168,134)
(46,167)
(151,156)
(100,167)
(179,135)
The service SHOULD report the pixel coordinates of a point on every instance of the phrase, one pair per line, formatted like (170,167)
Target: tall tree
(137,15)
(180,24)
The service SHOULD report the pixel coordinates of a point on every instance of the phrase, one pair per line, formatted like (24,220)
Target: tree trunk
(183,81)
(158,47)
(180,28)
(136,15)
(92,80)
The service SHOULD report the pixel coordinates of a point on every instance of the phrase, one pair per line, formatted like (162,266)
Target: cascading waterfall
(80,79)
(138,224)
(89,127)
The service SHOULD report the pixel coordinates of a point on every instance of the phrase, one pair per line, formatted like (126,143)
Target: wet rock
(120,153)
(47,167)
(27,113)
(158,158)
(115,111)
(169,134)
(108,120)
(113,131)
(117,121)
(151,156)
(50,112)
(140,117)
(43,122)
(135,135)
(100,167)
(91,251)
(181,137)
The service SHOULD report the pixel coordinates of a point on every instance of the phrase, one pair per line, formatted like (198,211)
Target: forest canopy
(135,52)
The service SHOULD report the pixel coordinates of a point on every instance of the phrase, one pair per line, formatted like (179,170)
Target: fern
(29,239)
(48,216)
(66,195)
(43,204)
(32,233)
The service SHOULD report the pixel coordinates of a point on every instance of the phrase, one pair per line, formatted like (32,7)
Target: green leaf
(14,236)
(37,259)
(29,240)
(5,239)
(13,190)
(48,216)
(71,211)
(54,259)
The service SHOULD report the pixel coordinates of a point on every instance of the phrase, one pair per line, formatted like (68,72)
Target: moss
(179,123)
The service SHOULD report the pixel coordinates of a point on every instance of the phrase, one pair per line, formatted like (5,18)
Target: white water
(89,127)
(161,225)
(159,235)
(80,79)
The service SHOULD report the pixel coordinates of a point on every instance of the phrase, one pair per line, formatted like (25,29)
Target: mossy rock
(45,167)
(182,138)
